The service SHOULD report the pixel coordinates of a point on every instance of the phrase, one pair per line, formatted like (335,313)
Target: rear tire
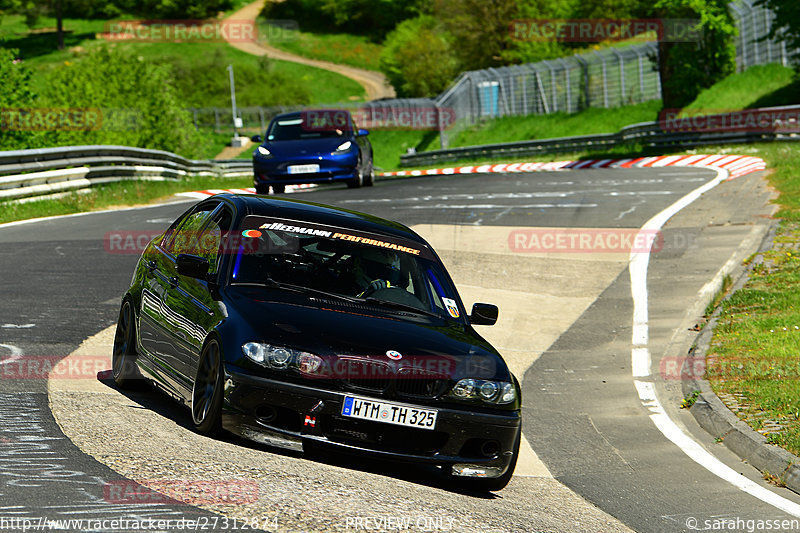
(207,391)
(123,358)
(278,189)
(262,189)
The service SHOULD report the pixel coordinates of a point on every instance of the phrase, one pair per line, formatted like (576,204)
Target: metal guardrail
(645,135)
(29,173)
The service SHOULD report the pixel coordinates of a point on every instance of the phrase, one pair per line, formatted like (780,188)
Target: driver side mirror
(483,314)
(193,266)
(363,133)
(257,139)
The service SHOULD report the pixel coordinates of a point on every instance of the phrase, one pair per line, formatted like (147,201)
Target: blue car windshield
(297,129)
(340,261)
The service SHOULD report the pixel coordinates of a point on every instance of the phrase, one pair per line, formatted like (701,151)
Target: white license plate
(303,169)
(389,413)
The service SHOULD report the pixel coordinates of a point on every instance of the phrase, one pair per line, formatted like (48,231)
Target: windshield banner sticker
(334,233)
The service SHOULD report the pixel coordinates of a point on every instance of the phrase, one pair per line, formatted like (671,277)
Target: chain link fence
(753,47)
(606,78)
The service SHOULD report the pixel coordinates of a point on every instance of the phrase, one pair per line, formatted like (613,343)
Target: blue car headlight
(263,152)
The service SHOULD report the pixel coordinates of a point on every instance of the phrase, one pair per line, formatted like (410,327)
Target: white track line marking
(16,353)
(641,366)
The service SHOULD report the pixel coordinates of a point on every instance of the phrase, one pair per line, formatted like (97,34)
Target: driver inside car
(375,269)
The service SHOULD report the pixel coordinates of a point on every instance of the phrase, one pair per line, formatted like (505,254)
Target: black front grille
(384,437)
(420,383)
(364,374)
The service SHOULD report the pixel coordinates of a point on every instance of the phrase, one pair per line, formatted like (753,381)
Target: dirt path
(374,83)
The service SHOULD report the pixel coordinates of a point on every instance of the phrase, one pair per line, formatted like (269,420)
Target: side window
(213,241)
(186,239)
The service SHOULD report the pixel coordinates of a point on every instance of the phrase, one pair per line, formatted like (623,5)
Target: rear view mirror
(483,314)
(363,133)
(192,266)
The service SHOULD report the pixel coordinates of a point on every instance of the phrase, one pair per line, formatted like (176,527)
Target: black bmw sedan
(291,323)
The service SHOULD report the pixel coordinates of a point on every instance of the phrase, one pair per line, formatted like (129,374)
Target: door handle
(173,282)
(151,266)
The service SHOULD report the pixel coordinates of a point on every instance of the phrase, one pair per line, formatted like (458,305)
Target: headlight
(494,392)
(345,146)
(280,358)
(263,151)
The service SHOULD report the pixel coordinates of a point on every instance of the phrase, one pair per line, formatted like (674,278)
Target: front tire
(207,391)
(358,181)
(369,181)
(123,358)
(278,189)
(262,189)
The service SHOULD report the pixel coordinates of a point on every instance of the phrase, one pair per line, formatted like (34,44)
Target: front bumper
(288,414)
(269,171)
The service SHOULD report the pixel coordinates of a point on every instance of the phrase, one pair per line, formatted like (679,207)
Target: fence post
(621,76)
(216,121)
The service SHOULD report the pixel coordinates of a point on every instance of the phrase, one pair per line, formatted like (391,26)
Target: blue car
(312,147)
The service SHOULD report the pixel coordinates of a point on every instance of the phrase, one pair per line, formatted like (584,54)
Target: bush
(205,82)
(418,59)
(15,93)
(139,104)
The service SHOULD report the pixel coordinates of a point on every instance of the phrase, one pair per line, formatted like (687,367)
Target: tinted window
(343,262)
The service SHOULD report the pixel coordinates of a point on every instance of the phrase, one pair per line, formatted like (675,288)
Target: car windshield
(305,127)
(386,271)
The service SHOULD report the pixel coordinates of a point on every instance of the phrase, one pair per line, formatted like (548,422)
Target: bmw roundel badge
(392,354)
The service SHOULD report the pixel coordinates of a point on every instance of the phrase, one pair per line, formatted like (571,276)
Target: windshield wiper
(397,305)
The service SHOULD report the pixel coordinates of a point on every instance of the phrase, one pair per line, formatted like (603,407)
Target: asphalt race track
(596,460)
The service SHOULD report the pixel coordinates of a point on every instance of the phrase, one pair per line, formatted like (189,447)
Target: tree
(373,18)
(686,68)
(417,58)
(481,29)
(786,25)
(59,9)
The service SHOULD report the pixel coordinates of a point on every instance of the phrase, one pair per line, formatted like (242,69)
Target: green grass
(38,49)
(759,86)
(115,194)
(587,122)
(354,50)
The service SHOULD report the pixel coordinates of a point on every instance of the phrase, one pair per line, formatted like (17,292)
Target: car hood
(336,329)
(311,146)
